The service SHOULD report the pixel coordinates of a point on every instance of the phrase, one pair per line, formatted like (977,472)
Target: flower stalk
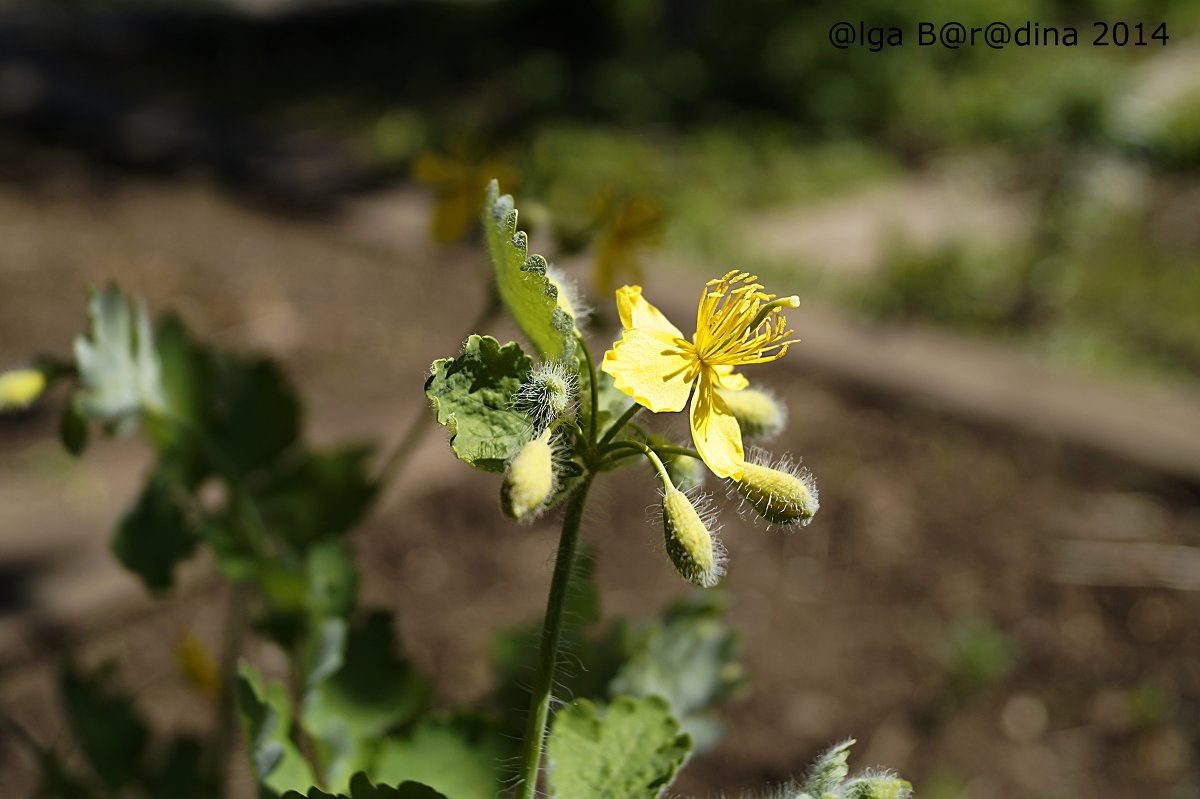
(543,682)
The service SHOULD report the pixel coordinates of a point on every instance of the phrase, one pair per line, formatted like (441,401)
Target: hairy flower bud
(758,413)
(569,300)
(698,556)
(529,480)
(547,395)
(784,495)
(20,388)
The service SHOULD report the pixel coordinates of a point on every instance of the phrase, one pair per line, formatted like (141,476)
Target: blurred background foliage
(698,114)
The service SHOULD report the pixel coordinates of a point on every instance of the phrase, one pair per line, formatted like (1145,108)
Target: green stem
(617,426)
(539,702)
(592,388)
(648,452)
(672,449)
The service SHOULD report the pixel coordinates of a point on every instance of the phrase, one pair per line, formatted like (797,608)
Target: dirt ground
(932,530)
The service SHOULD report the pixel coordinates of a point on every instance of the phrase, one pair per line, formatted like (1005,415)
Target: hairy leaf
(631,751)
(530,296)
(110,731)
(275,761)
(118,365)
(471,395)
(456,760)
(829,770)
(691,658)
(361,788)
(881,786)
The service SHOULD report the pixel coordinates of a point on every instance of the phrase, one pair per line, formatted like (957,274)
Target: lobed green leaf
(362,788)
(630,751)
(691,658)
(457,760)
(529,295)
(472,394)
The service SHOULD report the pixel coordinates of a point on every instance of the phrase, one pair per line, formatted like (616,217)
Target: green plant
(354,718)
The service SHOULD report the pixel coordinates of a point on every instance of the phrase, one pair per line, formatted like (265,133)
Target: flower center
(738,323)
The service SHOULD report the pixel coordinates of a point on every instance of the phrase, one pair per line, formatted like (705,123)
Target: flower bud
(547,395)
(20,388)
(758,413)
(529,480)
(569,301)
(786,495)
(698,556)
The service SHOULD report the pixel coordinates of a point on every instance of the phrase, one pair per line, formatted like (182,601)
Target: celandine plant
(353,718)
(552,428)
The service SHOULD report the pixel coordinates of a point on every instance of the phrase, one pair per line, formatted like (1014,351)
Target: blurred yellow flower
(458,183)
(197,666)
(630,228)
(20,388)
(737,324)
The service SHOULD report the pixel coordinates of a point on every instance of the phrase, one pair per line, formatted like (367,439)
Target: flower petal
(636,312)
(726,379)
(640,364)
(716,433)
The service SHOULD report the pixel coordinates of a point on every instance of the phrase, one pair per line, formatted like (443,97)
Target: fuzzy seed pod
(758,413)
(20,388)
(698,556)
(529,480)
(783,495)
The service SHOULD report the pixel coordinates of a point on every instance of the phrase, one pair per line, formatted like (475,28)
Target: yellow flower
(737,324)
(20,388)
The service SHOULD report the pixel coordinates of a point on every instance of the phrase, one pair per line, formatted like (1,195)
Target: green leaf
(471,395)
(157,533)
(183,365)
(530,296)
(361,788)
(253,414)
(632,751)
(72,427)
(275,760)
(691,658)
(456,760)
(332,579)
(829,770)
(106,724)
(324,494)
(118,365)
(373,692)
